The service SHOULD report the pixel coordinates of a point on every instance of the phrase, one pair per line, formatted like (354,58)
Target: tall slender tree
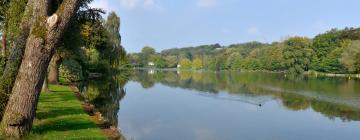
(112,25)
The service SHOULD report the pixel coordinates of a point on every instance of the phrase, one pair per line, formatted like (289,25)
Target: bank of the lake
(310,73)
(60,116)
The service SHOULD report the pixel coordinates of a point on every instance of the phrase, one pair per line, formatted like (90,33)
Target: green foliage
(328,49)
(4,5)
(185,64)
(71,71)
(297,54)
(191,52)
(197,64)
(117,53)
(103,52)
(39,30)
(146,54)
(112,26)
(325,43)
(171,61)
(328,52)
(159,61)
(13,17)
(147,51)
(231,61)
(351,57)
(332,64)
(2,65)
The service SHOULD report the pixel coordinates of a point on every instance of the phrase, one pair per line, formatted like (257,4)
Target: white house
(151,64)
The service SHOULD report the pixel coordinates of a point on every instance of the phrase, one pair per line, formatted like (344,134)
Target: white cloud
(206,3)
(103,4)
(133,4)
(129,4)
(149,3)
(253,31)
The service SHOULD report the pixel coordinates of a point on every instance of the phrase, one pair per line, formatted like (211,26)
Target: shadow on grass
(64,124)
(60,116)
(65,91)
(56,97)
(57,112)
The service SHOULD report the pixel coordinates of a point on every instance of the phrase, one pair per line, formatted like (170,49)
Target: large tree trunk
(53,75)
(20,111)
(16,54)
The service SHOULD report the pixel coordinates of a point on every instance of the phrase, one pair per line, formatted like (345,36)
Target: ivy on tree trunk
(16,54)
(4,45)
(44,37)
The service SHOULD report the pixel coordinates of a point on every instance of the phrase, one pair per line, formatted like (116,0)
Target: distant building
(151,64)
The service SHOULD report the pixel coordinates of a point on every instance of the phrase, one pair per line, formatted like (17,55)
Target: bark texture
(40,46)
(53,75)
(16,54)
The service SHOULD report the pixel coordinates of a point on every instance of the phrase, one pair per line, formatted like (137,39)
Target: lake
(186,105)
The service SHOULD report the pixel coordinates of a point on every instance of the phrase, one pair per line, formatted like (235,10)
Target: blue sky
(165,24)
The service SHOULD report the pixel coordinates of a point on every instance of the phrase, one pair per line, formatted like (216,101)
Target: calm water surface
(171,105)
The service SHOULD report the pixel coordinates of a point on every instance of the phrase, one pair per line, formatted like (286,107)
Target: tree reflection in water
(332,97)
(106,94)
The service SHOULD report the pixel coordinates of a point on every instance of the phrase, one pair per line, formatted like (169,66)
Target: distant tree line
(335,51)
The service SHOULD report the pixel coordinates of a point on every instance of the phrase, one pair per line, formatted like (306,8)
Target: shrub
(71,71)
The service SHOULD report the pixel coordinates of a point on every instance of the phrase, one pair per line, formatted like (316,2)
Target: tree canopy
(334,51)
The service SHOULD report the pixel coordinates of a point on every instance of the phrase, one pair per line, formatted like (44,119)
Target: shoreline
(310,73)
(321,74)
(111,132)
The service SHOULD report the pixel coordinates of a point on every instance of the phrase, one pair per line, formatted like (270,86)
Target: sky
(165,24)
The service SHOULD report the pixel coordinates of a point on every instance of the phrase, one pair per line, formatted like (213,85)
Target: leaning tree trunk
(20,111)
(16,54)
(53,75)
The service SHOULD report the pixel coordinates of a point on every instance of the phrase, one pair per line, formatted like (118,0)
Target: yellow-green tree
(197,64)
(185,64)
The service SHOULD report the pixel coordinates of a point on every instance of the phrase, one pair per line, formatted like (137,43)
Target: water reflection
(331,97)
(106,94)
(228,105)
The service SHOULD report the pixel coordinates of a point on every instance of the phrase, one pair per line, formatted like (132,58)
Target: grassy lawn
(60,116)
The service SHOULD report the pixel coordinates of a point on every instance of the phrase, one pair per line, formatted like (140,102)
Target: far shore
(307,73)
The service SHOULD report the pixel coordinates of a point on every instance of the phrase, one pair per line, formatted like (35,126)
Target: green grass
(60,116)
